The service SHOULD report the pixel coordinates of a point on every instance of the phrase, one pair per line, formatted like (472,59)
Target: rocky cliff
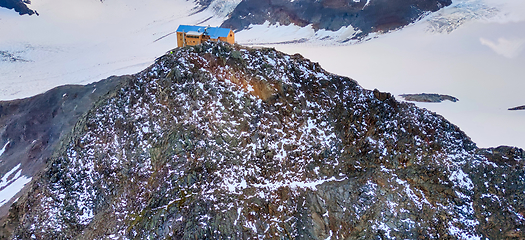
(221,141)
(364,16)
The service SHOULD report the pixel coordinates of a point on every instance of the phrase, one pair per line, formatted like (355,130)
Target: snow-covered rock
(219,141)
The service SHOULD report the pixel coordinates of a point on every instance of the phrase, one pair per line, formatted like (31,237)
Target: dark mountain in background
(365,16)
(31,128)
(20,6)
(222,141)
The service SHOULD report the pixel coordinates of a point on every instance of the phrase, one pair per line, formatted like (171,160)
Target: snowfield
(472,50)
(81,42)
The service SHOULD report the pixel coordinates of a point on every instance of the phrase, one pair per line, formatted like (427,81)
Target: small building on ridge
(192,35)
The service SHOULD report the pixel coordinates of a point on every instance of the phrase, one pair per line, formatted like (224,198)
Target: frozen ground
(472,50)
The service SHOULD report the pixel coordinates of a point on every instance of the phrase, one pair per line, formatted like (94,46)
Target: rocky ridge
(32,127)
(222,141)
(364,16)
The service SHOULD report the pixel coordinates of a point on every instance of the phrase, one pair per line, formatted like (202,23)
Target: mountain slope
(364,16)
(32,127)
(219,141)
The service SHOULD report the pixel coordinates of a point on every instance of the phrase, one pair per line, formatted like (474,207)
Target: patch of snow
(13,188)
(410,193)
(460,233)
(4,181)
(330,236)
(251,226)
(410,222)
(239,210)
(296,184)
(3,148)
(462,179)
(266,32)
(367,3)
(384,227)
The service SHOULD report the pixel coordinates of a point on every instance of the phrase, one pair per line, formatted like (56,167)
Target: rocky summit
(220,141)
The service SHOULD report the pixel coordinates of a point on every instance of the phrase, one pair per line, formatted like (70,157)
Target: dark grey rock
(517,108)
(428,97)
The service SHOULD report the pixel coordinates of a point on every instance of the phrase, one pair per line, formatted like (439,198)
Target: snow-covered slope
(75,41)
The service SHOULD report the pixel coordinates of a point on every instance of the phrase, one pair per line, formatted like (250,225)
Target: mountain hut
(193,35)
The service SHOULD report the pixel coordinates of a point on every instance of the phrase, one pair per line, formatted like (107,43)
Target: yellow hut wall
(189,40)
(180,39)
(192,40)
(230,39)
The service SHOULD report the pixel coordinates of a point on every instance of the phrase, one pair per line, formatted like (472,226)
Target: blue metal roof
(213,32)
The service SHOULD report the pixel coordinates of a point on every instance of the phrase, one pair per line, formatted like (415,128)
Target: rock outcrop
(221,141)
(517,108)
(428,97)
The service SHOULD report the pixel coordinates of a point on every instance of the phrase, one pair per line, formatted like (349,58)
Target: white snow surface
(3,149)
(472,50)
(11,183)
(79,42)
(268,34)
